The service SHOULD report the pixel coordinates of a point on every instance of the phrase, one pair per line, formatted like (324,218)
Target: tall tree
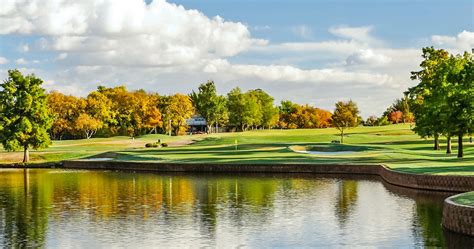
(179,110)
(429,95)
(24,115)
(269,113)
(235,106)
(459,120)
(206,101)
(346,116)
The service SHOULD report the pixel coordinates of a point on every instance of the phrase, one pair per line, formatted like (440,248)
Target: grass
(395,145)
(465,199)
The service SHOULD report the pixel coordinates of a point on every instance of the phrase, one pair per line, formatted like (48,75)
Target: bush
(152,145)
(164,145)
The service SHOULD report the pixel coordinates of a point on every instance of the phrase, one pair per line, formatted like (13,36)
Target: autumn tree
(65,109)
(346,116)
(396,117)
(180,109)
(24,116)
(87,125)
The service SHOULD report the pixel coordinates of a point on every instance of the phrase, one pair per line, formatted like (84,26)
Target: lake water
(103,209)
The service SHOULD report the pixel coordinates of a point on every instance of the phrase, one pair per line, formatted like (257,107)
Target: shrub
(152,145)
(164,145)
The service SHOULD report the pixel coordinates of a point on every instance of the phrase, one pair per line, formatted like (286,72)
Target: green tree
(24,115)
(207,103)
(459,120)
(346,116)
(235,106)
(269,113)
(429,95)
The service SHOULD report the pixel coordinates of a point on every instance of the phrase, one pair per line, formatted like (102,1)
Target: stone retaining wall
(457,217)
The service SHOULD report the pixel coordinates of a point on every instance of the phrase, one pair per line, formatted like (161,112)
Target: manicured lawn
(396,146)
(465,199)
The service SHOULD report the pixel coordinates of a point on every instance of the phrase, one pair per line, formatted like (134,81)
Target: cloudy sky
(309,51)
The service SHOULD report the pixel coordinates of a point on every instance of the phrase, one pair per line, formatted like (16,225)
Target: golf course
(396,146)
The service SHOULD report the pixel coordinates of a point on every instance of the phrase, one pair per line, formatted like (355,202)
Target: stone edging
(458,217)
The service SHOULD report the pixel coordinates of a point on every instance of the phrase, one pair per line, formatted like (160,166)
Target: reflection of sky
(277,212)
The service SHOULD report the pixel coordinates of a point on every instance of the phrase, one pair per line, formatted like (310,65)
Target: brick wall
(458,218)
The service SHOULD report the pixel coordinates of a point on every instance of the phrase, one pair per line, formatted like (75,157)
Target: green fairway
(395,145)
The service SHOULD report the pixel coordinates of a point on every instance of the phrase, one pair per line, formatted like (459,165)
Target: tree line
(30,117)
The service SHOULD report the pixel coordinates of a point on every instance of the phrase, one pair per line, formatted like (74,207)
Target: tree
(269,113)
(88,125)
(371,121)
(346,116)
(207,103)
(235,106)
(180,109)
(396,117)
(64,109)
(24,116)
(428,96)
(460,98)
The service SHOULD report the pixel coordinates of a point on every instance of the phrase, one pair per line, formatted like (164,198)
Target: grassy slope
(465,199)
(394,145)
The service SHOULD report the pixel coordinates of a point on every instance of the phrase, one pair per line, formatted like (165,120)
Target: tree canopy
(24,116)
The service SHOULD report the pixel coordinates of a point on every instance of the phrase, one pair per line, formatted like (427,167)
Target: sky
(312,52)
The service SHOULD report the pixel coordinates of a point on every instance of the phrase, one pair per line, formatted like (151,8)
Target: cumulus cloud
(464,41)
(367,56)
(126,32)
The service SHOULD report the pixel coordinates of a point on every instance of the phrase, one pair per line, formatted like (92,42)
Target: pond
(98,209)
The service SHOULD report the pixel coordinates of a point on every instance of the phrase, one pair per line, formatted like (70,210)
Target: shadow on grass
(439,169)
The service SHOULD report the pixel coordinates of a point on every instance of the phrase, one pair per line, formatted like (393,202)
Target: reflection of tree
(429,215)
(23,221)
(346,199)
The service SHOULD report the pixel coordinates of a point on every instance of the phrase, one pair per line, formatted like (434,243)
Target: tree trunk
(448,145)
(342,136)
(436,142)
(26,154)
(460,149)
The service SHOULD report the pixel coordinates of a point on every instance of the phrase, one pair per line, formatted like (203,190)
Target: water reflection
(57,208)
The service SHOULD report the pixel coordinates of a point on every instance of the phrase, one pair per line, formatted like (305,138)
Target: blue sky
(315,52)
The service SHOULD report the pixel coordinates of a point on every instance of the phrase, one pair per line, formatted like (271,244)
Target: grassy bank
(396,146)
(465,199)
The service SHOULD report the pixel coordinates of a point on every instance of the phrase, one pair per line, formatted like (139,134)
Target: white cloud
(359,34)
(3,60)
(126,32)
(464,41)
(367,56)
